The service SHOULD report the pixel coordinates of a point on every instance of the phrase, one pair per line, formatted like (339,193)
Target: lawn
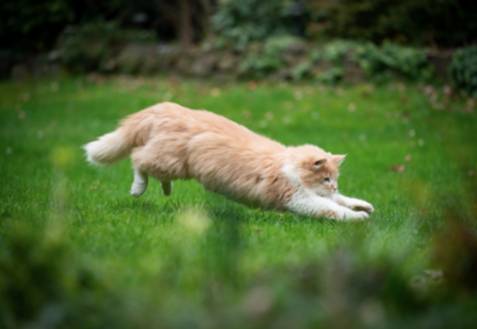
(78,251)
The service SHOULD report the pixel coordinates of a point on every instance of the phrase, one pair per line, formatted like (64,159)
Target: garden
(78,251)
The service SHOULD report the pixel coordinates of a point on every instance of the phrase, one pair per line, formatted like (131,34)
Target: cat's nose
(334,187)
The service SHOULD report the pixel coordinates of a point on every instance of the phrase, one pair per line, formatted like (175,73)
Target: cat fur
(168,142)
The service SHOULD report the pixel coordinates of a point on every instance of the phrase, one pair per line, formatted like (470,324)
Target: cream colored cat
(168,142)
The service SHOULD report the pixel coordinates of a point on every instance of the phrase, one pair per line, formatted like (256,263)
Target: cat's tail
(113,147)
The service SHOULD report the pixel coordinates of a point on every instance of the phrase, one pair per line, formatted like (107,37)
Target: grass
(195,259)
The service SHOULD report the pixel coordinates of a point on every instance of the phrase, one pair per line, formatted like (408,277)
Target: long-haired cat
(168,142)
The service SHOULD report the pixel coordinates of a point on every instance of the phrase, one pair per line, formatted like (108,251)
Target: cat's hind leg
(145,157)
(140,183)
(166,187)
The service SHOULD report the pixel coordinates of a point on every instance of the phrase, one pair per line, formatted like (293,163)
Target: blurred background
(252,39)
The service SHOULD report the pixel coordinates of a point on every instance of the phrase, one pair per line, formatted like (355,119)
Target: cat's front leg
(352,203)
(307,203)
(329,209)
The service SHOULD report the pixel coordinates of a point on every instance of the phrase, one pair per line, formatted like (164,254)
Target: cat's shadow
(219,209)
(168,207)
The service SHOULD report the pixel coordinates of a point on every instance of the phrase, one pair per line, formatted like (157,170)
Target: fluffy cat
(168,142)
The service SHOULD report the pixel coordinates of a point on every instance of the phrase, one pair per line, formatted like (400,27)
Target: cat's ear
(338,159)
(319,163)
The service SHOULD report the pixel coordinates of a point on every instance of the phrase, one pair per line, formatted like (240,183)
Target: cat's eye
(327,179)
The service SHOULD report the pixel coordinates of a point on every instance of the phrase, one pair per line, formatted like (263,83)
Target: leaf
(397,168)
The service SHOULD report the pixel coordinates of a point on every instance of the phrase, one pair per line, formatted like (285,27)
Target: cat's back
(176,118)
(224,156)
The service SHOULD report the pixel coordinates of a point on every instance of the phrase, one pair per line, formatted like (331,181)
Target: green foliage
(393,59)
(92,46)
(29,25)
(302,71)
(136,59)
(245,21)
(326,63)
(422,23)
(330,76)
(463,70)
(385,62)
(426,22)
(269,57)
(41,282)
(334,51)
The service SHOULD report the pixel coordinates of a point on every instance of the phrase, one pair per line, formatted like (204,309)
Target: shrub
(245,21)
(463,70)
(334,51)
(42,285)
(392,59)
(90,47)
(266,58)
(302,70)
(327,63)
(28,25)
(32,25)
(377,62)
(426,22)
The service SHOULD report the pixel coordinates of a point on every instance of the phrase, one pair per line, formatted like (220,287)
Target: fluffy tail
(113,147)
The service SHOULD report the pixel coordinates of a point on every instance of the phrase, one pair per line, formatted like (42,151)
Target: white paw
(361,205)
(138,189)
(356,215)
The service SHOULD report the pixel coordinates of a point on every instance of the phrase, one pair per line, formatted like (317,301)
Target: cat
(168,142)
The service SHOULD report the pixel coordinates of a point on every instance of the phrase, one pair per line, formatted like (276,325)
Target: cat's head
(316,169)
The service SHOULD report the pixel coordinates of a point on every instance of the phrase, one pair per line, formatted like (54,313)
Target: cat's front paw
(361,206)
(355,215)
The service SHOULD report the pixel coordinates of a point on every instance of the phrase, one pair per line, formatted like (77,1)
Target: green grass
(205,261)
